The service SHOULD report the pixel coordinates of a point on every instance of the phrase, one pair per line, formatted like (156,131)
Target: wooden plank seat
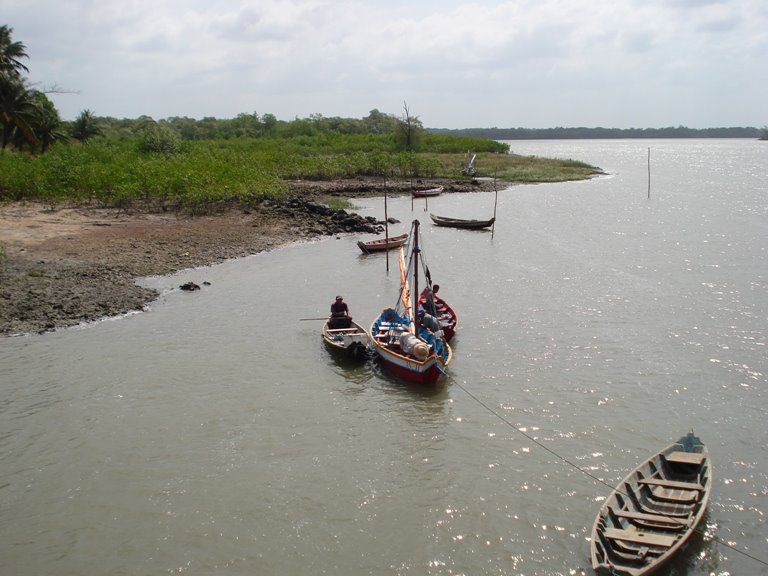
(671,484)
(645,538)
(673,523)
(679,457)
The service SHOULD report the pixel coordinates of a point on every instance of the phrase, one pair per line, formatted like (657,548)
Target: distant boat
(382,244)
(459,223)
(427,193)
(653,511)
(405,346)
(351,342)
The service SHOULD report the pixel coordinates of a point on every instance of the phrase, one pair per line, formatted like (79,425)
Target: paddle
(323,318)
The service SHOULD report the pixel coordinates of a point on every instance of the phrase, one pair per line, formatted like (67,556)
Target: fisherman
(340,317)
(428,321)
(429,296)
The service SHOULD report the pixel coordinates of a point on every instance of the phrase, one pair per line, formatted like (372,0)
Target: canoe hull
(653,512)
(459,223)
(382,244)
(445,314)
(352,342)
(427,193)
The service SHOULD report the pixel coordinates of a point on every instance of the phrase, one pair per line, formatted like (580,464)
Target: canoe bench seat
(655,518)
(679,457)
(637,537)
(671,484)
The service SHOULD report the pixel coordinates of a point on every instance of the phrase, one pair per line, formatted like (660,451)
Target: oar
(323,318)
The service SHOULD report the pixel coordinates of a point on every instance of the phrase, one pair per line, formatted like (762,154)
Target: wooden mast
(415,294)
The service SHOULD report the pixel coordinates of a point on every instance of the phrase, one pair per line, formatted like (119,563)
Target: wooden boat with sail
(405,346)
(653,511)
(460,223)
(440,310)
(382,244)
(427,193)
(351,342)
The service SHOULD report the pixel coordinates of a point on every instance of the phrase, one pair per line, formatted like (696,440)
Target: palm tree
(17,109)
(11,52)
(85,126)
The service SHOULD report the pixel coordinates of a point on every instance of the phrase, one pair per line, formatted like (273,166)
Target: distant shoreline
(603,133)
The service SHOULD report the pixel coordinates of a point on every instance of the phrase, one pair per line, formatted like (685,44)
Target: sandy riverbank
(67,265)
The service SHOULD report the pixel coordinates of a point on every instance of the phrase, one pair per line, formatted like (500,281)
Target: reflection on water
(217,434)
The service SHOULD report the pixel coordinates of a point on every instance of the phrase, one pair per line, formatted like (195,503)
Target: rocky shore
(66,265)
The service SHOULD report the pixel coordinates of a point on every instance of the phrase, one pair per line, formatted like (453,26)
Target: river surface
(214,434)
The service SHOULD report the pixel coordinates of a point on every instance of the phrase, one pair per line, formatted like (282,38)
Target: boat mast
(415,295)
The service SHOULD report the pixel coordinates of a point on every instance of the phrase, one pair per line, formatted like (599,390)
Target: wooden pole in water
(495,201)
(386,221)
(649,172)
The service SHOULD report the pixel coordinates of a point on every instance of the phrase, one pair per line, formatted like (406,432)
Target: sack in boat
(410,344)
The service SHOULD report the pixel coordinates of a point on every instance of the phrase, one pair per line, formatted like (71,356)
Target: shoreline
(67,265)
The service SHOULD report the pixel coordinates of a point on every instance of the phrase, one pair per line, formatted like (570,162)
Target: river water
(215,434)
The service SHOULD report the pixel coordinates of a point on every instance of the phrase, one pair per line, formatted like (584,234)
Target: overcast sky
(457,63)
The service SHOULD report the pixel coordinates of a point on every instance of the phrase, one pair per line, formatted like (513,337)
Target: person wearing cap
(340,317)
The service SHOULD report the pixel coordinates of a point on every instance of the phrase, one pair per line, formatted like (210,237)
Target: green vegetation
(204,165)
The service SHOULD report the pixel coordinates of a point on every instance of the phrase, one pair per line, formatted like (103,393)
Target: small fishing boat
(653,511)
(440,309)
(382,244)
(350,342)
(427,193)
(405,346)
(459,223)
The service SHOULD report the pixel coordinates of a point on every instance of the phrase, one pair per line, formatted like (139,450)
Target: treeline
(606,133)
(377,132)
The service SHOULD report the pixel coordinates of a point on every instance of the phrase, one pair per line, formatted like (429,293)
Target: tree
(408,130)
(11,52)
(379,123)
(47,123)
(85,126)
(17,109)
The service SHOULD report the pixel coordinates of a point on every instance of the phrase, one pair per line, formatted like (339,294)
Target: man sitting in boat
(428,321)
(429,295)
(340,317)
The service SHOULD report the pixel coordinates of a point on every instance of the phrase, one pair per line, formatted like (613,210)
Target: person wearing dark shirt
(340,317)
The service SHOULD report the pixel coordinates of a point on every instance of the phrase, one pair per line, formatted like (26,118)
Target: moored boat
(405,346)
(382,244)
(427,193)
(653,512)
(440,309)
(351,341)
(461,223)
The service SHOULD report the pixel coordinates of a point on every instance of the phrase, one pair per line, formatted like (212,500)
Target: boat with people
(404,344)
(382,244)
(439,309)
(653,512)
(462,223)
(351,341)
(427,193)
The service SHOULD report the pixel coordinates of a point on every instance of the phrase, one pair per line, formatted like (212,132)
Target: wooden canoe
(351,342)
(653,511)
(443,312)
(427,193)
(382,244)
(459,223)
